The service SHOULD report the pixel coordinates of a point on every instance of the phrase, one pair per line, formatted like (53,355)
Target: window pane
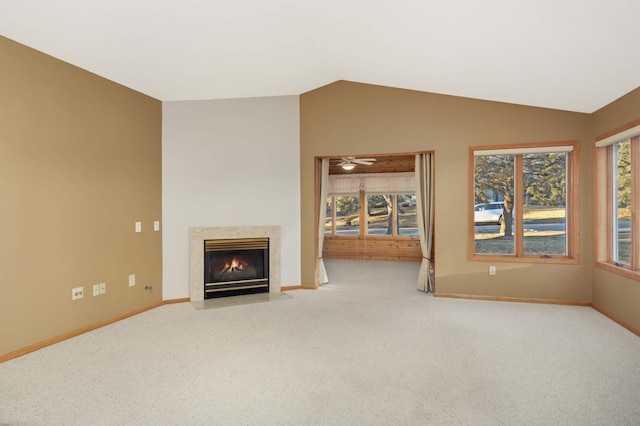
(493,209)
(347,214)
(544,204)
(380,217)
(622,202)
(407,218)
(328,219)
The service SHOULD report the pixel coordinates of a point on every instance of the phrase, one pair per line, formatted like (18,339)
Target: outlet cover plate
(77,293)
(96,289)
(132,280)
(103,288)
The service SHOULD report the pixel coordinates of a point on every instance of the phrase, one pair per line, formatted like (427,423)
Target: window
(407,217)
(343,215)
(525,203)
(392,214)
(329,220)
(621,202)
(376,204)
(618,201)
(379,214)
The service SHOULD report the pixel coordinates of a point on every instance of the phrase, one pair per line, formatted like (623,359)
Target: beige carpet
(365,349)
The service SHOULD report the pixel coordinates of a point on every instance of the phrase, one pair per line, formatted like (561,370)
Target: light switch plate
(132,280)
(103,288)
(156,225)
(138,226)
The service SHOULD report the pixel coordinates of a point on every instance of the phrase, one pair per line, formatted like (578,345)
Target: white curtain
(373,183)
(322,216)
(424,208)
(342,185)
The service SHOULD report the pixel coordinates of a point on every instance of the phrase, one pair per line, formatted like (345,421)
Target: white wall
(229,163)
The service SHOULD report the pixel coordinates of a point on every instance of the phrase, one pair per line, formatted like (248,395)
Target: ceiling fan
(348,163)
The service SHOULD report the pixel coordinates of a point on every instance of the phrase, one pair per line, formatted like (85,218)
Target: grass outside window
(618,202)
(376,215)
(524,203)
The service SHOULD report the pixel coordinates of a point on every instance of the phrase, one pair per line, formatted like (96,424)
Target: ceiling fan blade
(364,161)
(352,160)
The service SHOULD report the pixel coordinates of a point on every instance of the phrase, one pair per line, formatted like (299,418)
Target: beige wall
(349,118)
(617,295)
(80,163)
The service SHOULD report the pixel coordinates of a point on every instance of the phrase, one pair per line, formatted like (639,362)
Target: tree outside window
(392,214)
(522,198)
(544,204)
(621,202)
(328,220)
(386,215)
(494,177)
(347,219)
(618,203)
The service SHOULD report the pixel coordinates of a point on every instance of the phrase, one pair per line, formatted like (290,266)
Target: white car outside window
(488,212)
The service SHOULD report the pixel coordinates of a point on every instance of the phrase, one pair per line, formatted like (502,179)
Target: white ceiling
(576,55)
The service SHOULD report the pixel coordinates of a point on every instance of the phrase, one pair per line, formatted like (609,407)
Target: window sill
(556,260)
(625,271)
(375,237)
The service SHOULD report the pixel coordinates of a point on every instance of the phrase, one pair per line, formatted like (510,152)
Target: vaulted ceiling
(575,55)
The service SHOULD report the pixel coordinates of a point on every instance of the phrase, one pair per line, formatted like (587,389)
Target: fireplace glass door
(234,267)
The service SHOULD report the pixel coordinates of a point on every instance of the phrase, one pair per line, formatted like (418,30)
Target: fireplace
(197,238)
(234,267)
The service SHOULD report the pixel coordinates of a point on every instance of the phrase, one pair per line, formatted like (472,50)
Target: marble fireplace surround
(197,236)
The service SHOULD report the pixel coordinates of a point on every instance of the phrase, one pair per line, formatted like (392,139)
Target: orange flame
(235,265)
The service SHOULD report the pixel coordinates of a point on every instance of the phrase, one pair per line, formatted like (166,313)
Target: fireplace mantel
(197,236)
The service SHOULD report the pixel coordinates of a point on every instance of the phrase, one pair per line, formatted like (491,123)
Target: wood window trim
(374,237)
(334,217)
(572,217)
(363,224)
(605,209)
(635,190)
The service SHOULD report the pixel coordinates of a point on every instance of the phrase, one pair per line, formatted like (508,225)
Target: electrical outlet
(77,293)
(103,288)
(132,280)
(492,270)
(96,289)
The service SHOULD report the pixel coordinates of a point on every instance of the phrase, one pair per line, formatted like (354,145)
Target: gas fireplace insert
(234,267)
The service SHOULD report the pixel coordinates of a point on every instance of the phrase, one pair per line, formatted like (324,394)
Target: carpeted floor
(365,349)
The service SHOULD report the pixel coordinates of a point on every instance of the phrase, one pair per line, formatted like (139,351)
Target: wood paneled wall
(384,164)
(372,248)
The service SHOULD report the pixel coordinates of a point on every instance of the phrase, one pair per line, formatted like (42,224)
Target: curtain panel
(322,216)
(424,207)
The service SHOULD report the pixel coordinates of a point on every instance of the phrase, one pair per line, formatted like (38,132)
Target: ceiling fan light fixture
(348,166)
